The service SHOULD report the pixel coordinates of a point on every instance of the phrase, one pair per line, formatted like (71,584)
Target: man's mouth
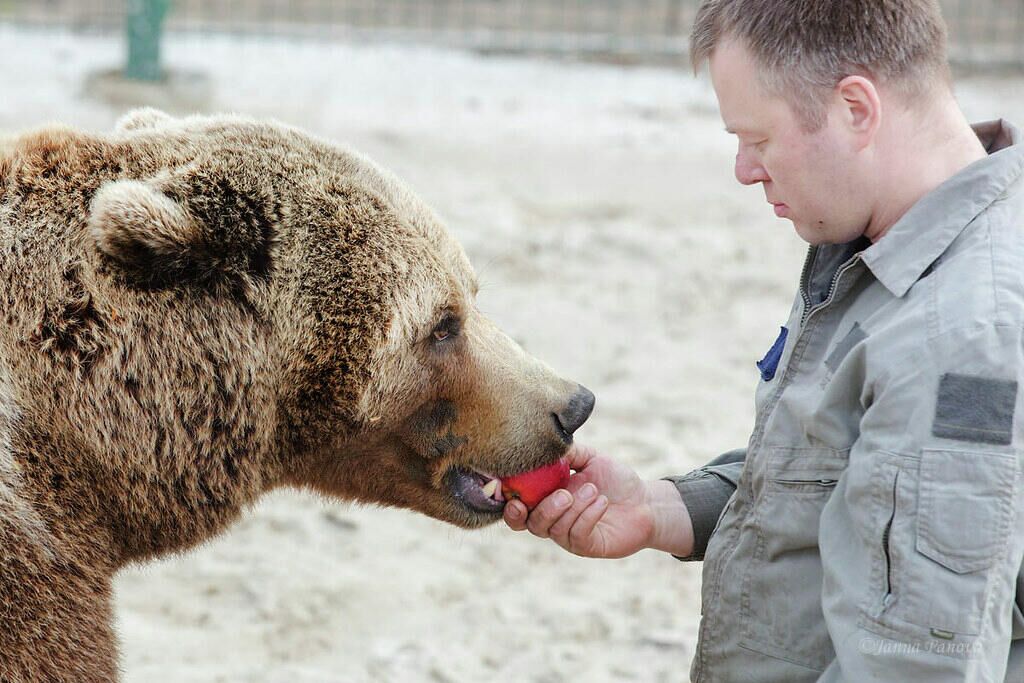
(781,210)
(478,491)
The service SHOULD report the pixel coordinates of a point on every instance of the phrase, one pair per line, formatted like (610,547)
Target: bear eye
(446,329)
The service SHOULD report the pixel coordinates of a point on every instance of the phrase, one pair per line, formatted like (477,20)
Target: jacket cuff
(705,493)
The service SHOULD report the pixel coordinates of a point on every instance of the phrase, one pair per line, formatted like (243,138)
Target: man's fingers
(547,512)
(579,456)
(515,515)
(559,531)
(580,536)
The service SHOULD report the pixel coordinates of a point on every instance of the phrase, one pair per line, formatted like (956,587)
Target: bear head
(369,372)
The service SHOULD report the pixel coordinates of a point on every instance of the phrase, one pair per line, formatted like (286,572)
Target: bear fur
(197,311)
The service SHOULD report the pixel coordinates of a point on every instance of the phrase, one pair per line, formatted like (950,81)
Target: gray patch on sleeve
(855,336)
(975,409)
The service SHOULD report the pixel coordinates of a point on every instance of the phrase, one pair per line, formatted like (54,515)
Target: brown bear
(199,310)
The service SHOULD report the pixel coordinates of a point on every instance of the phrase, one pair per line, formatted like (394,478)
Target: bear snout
(575,413)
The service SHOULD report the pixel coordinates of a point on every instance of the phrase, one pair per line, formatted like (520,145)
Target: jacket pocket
(966,501)
(780,602)
(946,520)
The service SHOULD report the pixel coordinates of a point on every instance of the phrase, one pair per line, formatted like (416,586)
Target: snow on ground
(598,205)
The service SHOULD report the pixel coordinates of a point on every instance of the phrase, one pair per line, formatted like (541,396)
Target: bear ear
(195,225)
(145,117)
(142,230)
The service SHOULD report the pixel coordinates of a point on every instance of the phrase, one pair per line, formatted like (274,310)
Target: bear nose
(576,411)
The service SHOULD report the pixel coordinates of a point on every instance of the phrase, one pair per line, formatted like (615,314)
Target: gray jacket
(873,531)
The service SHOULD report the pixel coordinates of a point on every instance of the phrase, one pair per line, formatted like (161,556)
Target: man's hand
(607,511)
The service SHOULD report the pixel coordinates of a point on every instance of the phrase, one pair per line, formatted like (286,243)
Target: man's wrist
(671,527)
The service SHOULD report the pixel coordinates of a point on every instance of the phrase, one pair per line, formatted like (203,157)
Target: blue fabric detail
(770,362)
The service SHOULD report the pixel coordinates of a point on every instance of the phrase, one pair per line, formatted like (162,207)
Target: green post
(144,25)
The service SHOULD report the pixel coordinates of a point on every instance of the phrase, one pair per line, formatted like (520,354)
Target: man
(872,528)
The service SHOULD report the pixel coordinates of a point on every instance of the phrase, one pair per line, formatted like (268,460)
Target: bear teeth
(491,488)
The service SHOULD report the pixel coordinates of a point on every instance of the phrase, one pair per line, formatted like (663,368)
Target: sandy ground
(598,205)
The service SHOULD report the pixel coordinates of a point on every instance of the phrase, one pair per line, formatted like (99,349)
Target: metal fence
(982,32)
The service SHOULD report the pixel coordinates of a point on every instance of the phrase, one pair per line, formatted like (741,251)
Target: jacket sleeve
(922,539)
(705,491)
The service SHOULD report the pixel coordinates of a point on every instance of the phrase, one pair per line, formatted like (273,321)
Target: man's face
(812,178)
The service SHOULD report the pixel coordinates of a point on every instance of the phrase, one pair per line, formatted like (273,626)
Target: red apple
(534,486)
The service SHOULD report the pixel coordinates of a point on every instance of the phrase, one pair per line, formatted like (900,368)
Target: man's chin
(806,233)
(815,235)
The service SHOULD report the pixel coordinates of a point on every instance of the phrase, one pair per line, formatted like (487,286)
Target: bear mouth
(478,491)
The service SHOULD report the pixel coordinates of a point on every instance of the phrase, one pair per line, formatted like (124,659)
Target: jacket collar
(926,231)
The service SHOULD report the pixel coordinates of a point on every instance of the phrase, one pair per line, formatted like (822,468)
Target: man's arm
(705,491)
(921,541)
(608,511)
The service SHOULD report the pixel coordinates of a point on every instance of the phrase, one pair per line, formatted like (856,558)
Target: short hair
(805,47)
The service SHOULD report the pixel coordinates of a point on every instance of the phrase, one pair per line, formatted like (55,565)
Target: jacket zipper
(759,423)
(807,313)
(817,482)
(887,598)
(831,288)
(805,275)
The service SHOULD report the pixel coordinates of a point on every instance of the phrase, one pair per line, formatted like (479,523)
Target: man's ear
(184,229)
(861,108)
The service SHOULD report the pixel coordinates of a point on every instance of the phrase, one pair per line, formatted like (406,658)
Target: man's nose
(749,171)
